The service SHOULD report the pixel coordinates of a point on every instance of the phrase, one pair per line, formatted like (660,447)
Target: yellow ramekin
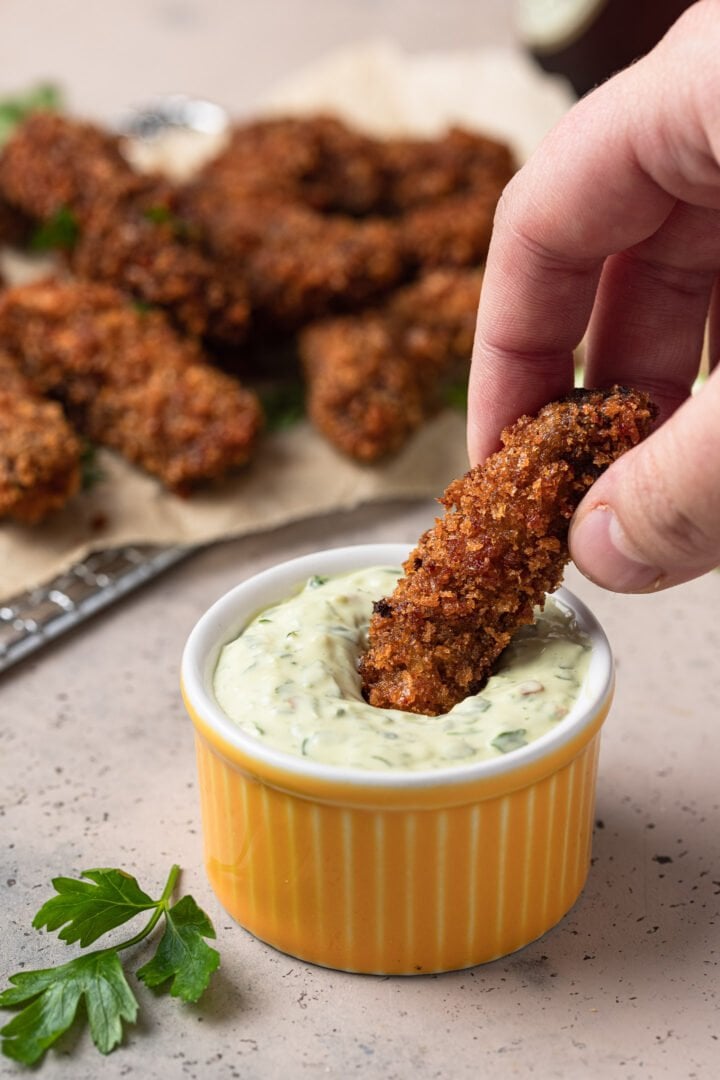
(390,872)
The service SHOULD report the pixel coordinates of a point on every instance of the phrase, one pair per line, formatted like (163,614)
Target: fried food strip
(39,452)
(129,382)
(374,378)
(317,161)
(297,263)
(476,577)
(129,234)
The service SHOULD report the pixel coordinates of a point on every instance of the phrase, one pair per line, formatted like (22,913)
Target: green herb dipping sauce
(291,679)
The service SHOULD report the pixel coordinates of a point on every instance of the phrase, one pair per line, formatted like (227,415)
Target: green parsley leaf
(316,581)
(182,955)
(59,233)
(510,740)
(86,910)
(90,471)
(163,215)
(455,394)
(54,995)
(108,898)
(14,109)
(283,405)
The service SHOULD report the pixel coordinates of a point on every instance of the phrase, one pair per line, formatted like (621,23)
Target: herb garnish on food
(86,910)
(14,109)
(283,405)
(59,233)
(510,740)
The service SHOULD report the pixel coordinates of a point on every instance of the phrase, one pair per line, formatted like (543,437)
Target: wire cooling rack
(32,619)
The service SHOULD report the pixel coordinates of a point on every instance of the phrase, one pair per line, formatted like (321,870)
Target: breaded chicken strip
(476,577)
(297,264)
(315,161)
(129,382)
(372,379)
(39,452)
(128,232)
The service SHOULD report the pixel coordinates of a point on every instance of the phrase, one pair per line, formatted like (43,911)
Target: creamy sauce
(291,680)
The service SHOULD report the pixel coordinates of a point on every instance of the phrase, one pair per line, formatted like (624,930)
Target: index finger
(598,184)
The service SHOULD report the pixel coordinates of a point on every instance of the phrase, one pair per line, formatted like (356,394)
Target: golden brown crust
(476,577)
(373,379)
(39,452)
(129,382)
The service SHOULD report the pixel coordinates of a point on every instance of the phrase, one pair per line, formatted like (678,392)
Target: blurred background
(109,55)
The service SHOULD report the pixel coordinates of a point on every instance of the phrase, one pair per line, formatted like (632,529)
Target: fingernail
(603,553)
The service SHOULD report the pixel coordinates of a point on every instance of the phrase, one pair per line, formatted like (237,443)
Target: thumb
(653,519)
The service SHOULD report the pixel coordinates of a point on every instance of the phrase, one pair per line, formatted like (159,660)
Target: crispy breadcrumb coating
(476,577)
(129,382)
(372,379)
(39,452)
(128,230)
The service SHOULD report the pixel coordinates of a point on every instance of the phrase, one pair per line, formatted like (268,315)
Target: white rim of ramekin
(227,617)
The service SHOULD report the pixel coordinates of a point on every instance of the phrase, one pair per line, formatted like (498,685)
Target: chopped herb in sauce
(510,740)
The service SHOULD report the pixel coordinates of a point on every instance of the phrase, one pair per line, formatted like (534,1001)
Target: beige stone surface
(96,755)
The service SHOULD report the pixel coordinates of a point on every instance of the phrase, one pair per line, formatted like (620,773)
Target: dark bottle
(589,40)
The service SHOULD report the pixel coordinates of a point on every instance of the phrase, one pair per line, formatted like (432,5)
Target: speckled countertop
(96,754)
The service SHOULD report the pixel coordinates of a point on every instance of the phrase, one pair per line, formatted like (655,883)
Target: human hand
(613,226)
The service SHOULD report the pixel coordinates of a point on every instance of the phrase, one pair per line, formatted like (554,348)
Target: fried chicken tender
(39,452)
(129,382)
(275,203)
(374,378)
(317,161)
(297,264)
(129,233)
(475,578)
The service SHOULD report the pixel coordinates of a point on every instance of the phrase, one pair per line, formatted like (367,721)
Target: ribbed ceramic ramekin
(390,872)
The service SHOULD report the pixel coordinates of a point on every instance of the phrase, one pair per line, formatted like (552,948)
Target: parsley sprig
(85,910)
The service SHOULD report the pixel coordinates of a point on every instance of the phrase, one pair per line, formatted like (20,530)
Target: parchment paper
(295,473)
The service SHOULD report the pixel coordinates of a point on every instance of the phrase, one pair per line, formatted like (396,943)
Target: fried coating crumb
(475,578)
(39,452)
(129,382)
(372,379)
